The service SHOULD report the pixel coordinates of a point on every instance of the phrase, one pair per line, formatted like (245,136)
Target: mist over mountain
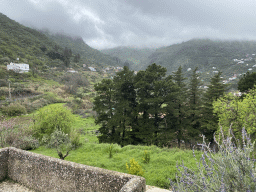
(232,58)
(88,54)
(43,48)
(137,57)
(208,55)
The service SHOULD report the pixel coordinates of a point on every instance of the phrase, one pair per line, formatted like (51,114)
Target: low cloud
(105,24)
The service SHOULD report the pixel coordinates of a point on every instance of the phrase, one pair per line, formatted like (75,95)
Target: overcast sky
(140,23)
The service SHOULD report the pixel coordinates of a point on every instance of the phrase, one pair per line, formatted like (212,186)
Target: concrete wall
(3,163)
(44,173)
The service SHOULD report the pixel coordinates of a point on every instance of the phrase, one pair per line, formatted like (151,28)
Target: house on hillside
(18,67)
(71,71)
(92,69)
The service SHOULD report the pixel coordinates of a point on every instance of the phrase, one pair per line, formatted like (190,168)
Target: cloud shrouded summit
(110,23)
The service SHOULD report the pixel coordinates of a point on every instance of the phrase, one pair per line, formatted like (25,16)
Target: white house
(72,71)
(18,67)
(92,69)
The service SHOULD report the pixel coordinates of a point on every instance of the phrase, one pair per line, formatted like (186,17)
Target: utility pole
(10,96)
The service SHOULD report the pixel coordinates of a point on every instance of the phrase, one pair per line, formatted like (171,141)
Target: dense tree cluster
(247,82)
(152,108)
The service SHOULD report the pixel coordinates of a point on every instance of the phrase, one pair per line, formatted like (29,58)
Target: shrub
(73,82)
(5,59)
(3,82)
(51,118)
(51,97)
(2,97)
(26,143)
(61,142)
(146,157)
(75,139)
(231,169)
(36,104)
(14,109)
(11,135)
(110,150)
(6,129)
(134,168)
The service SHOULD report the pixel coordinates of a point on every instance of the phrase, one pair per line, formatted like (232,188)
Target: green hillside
(42,50)
(208,55)
(18,41)
(88,55)
(49,79)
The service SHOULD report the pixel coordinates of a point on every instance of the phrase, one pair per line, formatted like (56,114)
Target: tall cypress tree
(125,98)
(169,121)
(115,105)
(194,109)
(152,90)
(67,53)
(178,108)
(104,105)
(209,119)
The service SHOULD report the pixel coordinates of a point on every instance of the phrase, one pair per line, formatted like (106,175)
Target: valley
(132,110)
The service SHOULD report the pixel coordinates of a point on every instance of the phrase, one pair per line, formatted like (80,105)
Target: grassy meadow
(162,164)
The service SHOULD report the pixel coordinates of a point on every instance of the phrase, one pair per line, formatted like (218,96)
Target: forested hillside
(50,78)
(18,41)
(207,55)
(42,50)
(88,55)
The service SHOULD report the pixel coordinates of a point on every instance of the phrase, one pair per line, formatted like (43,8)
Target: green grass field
(157,172)
(162,163)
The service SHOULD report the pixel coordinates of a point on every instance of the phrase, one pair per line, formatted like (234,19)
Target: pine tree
(247,82)
(125,98)
(77,58)
(168,132)
(115,105)
(104,104)
(178,108)
(67,54)
(152,91)
(194,108)
(210,119)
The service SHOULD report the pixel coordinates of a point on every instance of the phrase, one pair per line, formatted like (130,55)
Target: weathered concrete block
(4,154)
(44,173)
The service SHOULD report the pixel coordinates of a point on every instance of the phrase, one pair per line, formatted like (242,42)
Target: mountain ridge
(41,49)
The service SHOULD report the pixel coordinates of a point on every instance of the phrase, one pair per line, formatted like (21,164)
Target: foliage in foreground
(239,112)
(231,169)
